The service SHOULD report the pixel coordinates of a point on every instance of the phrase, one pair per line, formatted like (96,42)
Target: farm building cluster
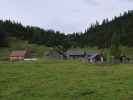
(21,55)
(52,54)
(76,54)
(69,54)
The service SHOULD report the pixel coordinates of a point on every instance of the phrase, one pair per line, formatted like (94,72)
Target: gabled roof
(74,52)
(91,56)
(18,53)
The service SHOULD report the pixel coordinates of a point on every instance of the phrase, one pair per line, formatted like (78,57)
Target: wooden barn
(75,54)
(18,55)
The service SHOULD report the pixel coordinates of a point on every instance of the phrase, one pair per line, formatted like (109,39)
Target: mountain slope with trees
(98,35)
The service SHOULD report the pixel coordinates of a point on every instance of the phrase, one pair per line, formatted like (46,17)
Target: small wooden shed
(18,55)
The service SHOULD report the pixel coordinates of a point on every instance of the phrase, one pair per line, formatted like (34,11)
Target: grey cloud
(63,15)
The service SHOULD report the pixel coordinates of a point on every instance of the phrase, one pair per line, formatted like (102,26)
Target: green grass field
(65,80)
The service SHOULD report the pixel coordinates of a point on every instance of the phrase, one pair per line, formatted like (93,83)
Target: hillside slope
(100,34)
(17,44)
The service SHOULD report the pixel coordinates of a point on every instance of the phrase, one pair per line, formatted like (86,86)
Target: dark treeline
(99,35)
(37,35)
(31,34)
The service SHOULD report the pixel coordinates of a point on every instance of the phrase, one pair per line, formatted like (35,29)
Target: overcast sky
(63,15)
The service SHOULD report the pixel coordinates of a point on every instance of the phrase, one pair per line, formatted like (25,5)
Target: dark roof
(18,53)
(91,56)
(90,53)
(74,52)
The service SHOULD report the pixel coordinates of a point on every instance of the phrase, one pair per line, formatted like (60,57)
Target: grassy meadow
(65,80)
